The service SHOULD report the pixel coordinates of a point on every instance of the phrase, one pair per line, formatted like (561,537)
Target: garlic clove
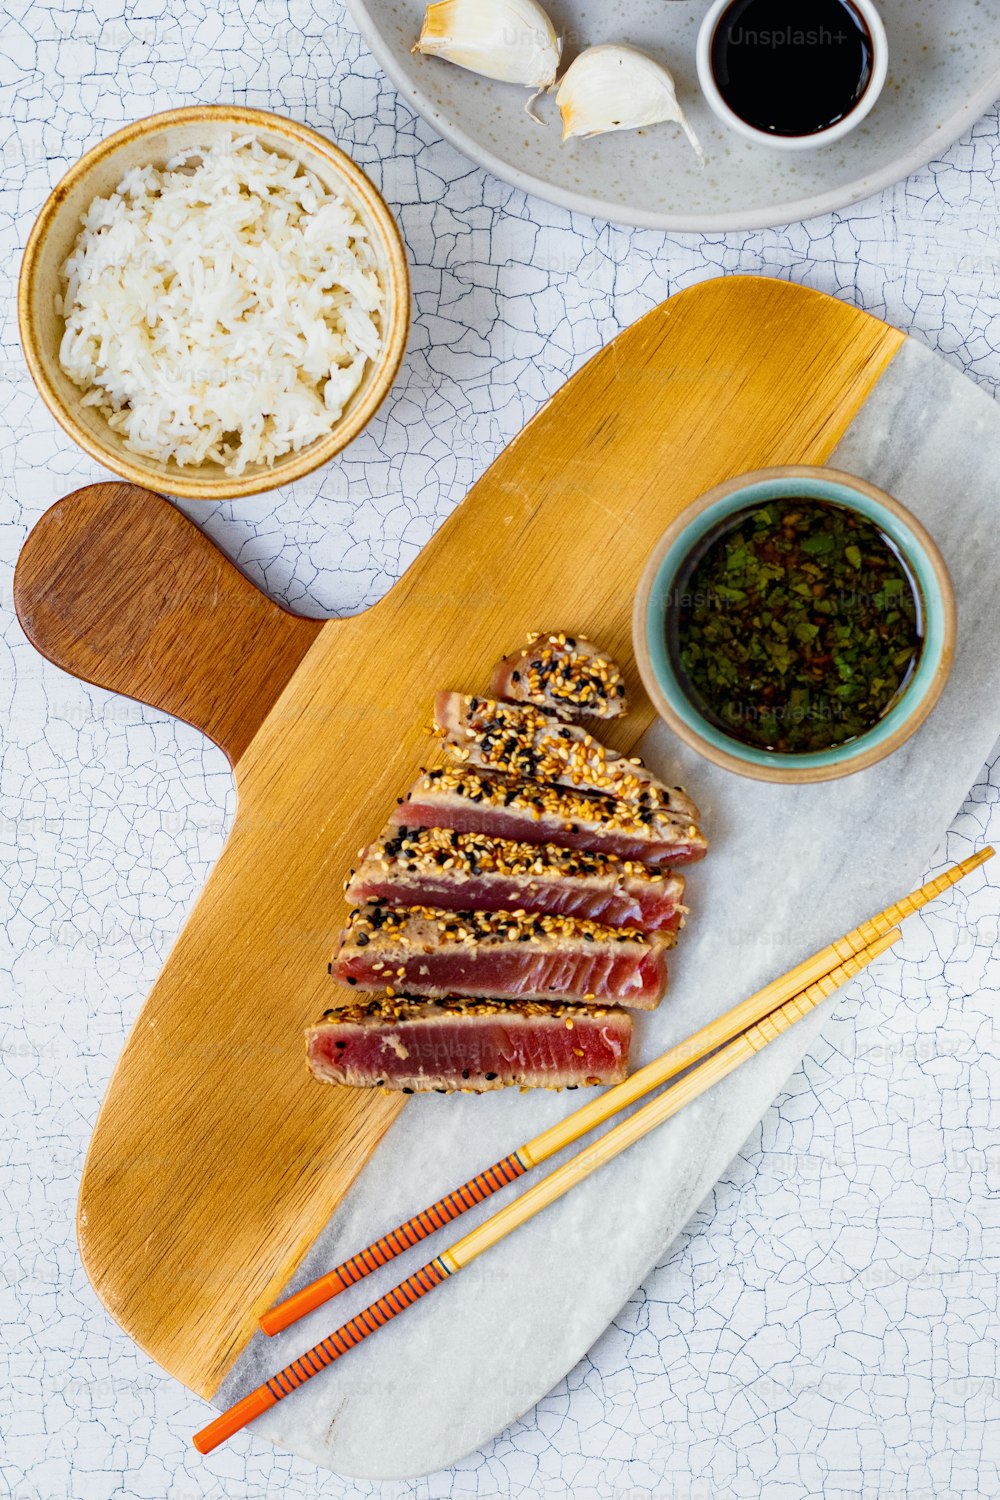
(510,40)
(616,87)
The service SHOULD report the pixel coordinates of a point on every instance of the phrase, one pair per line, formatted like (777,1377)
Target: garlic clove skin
(616,87)
(512,41)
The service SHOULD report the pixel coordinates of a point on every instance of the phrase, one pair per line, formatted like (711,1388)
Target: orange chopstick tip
(284,1314)
(274,1320)
(233,1420)
(788,998)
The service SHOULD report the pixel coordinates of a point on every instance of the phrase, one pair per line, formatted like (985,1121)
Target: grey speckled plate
(944,71)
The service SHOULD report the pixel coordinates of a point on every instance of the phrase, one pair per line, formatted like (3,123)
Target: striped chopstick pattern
(548,1190)
(764,1003)
(792,998)
(323,1354)
(398,1240)
(367,1321)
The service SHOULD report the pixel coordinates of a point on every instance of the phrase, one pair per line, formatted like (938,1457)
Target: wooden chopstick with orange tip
(739,1050)
(724,1045)
(603,1106)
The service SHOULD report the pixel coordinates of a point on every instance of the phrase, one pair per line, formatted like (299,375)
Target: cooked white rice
(221,309)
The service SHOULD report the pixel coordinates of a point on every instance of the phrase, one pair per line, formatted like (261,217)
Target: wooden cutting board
(216,1159)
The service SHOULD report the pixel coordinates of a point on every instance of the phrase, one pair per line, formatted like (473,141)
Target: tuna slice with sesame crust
(448,1044)
(441,867)
(518,740)
(501,955)
(564,674)
(528,812)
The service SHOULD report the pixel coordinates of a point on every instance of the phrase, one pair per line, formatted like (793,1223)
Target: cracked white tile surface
(827,1325)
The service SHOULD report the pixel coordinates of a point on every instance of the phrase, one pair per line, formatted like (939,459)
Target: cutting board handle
(117,586)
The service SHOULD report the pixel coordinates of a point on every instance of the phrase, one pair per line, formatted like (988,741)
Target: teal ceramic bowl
(657,588)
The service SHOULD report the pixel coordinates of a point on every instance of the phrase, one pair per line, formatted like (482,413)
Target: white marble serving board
(944,70)
(789,869)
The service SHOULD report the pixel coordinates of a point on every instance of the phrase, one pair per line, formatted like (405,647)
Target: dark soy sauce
(795,625)
(792,67)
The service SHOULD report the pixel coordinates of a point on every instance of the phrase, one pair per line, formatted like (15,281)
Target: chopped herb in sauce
(794,626)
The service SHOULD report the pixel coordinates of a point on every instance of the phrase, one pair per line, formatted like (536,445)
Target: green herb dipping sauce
(794,626)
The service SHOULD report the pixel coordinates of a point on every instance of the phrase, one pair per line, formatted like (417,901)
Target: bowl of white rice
(214,302)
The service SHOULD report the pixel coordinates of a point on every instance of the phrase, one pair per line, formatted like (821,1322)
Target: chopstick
(739,1050)
(603,1106)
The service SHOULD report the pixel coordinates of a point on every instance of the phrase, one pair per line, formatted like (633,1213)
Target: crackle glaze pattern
(827,1323)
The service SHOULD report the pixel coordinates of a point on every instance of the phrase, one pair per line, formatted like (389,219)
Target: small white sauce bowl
(880,67)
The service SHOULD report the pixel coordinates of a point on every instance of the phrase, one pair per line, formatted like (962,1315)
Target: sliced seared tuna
(443,868)
(476,1045)
(564,674)
(518,740)
(527,812)
(501,955)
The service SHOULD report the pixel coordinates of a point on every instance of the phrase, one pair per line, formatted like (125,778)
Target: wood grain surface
(118,587)
(216,1159)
